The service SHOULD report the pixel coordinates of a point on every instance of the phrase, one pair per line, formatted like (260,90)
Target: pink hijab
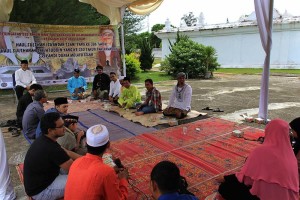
(271,169)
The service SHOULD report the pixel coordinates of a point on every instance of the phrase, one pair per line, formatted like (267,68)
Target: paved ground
(235,94)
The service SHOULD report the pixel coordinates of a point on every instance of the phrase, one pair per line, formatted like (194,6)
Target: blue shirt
(177,196)
(74,83)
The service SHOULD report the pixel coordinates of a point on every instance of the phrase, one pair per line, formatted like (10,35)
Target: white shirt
(24,78)
(185,104)
(114,88)
(6,189)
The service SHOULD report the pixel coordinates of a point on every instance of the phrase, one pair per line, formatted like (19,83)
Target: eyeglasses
(62,126)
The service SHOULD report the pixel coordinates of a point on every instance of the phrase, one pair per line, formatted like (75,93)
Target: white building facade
(238,44)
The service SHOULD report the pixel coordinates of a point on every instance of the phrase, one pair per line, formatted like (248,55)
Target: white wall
(241,47)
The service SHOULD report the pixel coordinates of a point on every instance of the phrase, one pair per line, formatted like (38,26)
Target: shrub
(165,66)
(133,66)
(186,57)
(192,58)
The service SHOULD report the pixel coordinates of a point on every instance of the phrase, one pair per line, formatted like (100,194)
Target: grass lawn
(154,75)
(256,71)
(157,61)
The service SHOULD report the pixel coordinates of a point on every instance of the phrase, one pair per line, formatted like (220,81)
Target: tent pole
(264,16)
(122,10)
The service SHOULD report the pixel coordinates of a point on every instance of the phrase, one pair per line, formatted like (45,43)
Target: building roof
(245,20)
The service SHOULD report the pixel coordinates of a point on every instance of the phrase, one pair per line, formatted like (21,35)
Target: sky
(215,11)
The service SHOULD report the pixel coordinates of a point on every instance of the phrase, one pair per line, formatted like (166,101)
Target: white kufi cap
(97,135)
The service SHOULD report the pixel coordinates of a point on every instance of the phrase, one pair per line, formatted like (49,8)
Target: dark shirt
(176,196)
(41,165)
(38,131)
(296,145)
(24,101)
(101,81)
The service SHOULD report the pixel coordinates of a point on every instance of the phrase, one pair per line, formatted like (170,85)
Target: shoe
(207,108)
(11,128)
(9,123)
(15,133)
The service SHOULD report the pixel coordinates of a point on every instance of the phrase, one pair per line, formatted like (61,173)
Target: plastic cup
(184,130)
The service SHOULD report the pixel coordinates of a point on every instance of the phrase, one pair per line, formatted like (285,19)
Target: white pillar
(122,10)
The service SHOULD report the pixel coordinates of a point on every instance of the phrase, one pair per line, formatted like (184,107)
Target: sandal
(207,108)
(218,110)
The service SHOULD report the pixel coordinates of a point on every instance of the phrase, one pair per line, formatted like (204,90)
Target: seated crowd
(102,177)
(52,171)
(66,162)
(127,96)
(107,88)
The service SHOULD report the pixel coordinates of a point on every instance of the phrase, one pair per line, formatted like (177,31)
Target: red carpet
(202,155)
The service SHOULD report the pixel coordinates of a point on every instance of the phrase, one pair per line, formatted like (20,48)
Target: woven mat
(151,119)
(148,120)
(117,126)
(206,151)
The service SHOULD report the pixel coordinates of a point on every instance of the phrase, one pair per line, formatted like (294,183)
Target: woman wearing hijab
(270,171)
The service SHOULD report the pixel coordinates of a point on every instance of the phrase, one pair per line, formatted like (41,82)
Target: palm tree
(210,59)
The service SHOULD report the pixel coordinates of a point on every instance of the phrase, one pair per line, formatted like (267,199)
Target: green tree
(132,22)
(70,12)
(157,27)
(210,58)
(189,19)
(132,25)
(133,41)
(146,56)
(155,41)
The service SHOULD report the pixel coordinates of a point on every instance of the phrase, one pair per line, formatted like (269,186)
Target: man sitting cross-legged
(180,99)
(114,88)
(77,86)
(101,84)
(89,178)
(44,160)
(152,103)
(33,114)
(60,106)
(24,101)
(130,95)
